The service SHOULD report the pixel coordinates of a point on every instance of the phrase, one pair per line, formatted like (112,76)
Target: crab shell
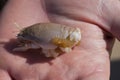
(52,38)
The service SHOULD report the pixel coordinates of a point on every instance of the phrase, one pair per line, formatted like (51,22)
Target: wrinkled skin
(89,61)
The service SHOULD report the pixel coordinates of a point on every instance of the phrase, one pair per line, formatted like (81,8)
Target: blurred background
(115,58)
(115,62)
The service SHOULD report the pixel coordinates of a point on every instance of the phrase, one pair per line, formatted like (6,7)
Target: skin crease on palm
(99,24)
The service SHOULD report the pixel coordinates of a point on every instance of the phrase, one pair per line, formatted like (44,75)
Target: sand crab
(52,38)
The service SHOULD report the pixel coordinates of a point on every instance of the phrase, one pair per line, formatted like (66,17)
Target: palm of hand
(89,61)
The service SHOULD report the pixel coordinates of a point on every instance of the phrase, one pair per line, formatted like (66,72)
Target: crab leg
(22,48)
(26,47)
(50,53)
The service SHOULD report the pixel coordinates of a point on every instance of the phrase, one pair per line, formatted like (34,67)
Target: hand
(89,61)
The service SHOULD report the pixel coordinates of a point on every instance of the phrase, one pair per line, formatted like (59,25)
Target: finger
(22,12)
(28,11)
(4,75)
(111,11)
(115,28)
(104,13)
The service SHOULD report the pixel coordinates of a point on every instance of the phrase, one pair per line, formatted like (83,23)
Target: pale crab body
(52,38)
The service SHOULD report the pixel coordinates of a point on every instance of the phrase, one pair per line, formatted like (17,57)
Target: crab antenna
(18,26)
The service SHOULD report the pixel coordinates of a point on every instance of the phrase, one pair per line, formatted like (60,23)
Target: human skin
(99,25)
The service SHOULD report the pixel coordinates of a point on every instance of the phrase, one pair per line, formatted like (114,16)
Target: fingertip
(4,75)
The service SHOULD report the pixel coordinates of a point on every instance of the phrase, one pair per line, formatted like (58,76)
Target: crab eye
(20,35)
